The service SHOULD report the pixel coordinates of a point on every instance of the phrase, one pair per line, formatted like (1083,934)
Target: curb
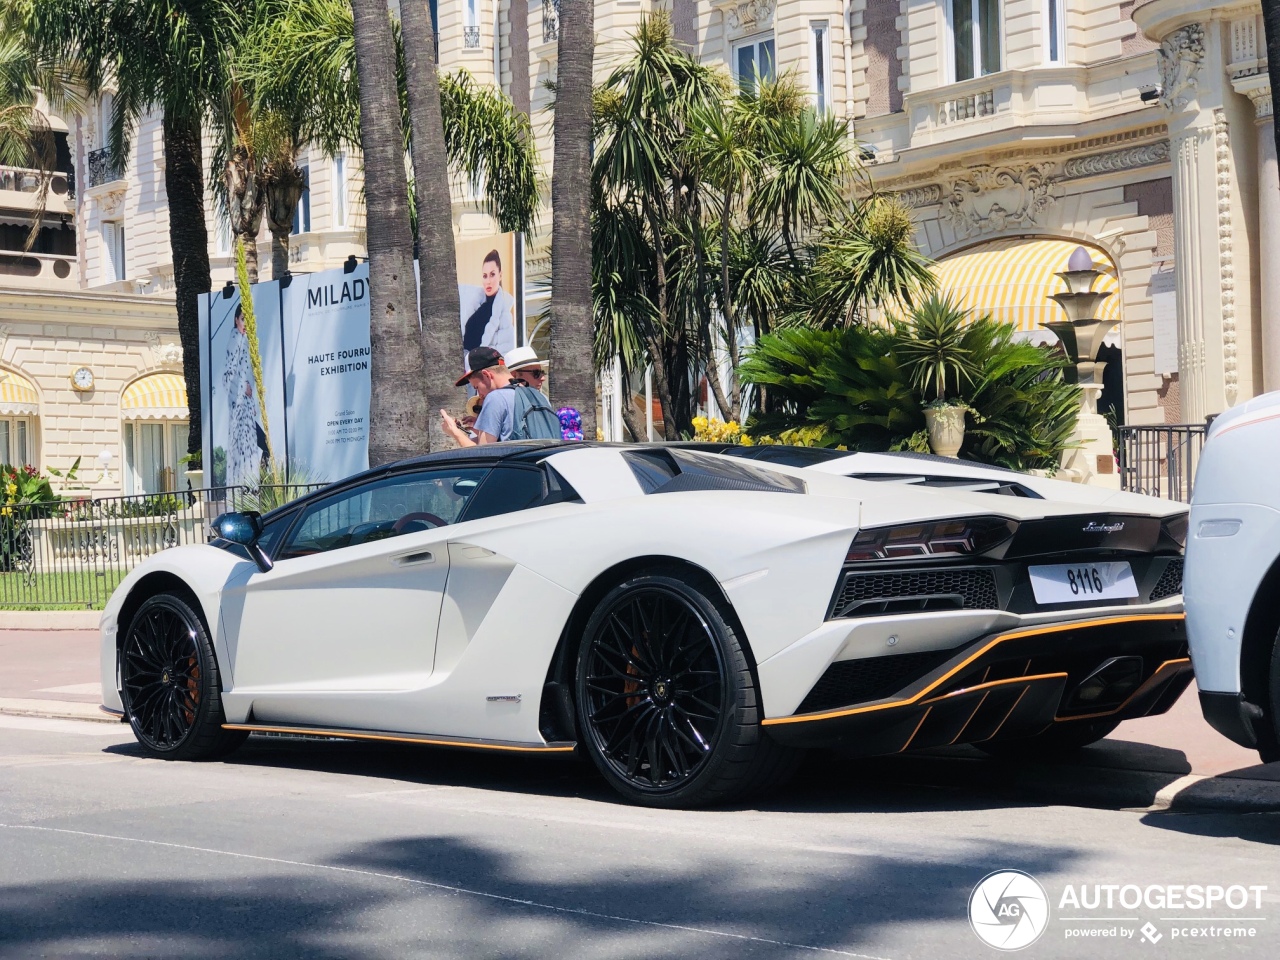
(55,710)
(50,619)
(1081,784)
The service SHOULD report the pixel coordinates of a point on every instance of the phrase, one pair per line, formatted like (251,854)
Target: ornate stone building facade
(1014,129)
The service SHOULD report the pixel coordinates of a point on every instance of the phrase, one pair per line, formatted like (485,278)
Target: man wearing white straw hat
(524,365)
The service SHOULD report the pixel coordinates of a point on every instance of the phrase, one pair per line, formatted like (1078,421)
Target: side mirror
(245,529)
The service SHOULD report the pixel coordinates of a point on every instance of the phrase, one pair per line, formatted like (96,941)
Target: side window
(386,508)
(506,490)
(510,488)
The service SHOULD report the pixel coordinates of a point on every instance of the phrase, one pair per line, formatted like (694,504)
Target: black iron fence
(1161,460)
(70,554)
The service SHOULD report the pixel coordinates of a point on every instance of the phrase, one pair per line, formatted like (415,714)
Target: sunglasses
(533,373)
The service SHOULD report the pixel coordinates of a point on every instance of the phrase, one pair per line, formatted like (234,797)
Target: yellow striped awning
(158,396)
(17,395)
(1013,279)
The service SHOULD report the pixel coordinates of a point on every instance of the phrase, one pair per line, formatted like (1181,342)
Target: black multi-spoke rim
(161,676)
(655,688)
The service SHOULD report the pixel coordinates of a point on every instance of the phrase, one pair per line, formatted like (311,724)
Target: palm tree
(302,57)
(571,297)
(397,411)
(26,138)
(164,55)
(441,337)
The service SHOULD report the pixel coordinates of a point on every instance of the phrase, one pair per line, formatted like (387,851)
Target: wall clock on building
(82,379)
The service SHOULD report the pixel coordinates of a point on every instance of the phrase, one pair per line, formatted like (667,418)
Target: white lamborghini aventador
(687,619)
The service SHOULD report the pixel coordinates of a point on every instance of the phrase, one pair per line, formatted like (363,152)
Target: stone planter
(196,479)
(946,429)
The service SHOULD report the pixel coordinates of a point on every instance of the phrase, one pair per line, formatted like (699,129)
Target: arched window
(18,409)
(154,414)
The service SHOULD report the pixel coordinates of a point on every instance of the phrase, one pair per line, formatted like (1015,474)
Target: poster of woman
(488,278)
(237,451)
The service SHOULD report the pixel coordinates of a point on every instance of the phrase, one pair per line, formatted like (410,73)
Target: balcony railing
(1160,460)
(38,270)
(979,104)
(471,38)
(550,21)
(25,180)
(101,169)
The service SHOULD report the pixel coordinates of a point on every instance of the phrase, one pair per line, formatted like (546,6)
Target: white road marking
(88,689)
(60,759)
(86,728)
(447,888)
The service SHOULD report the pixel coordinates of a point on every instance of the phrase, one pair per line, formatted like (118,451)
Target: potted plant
(932,347)
(194,471)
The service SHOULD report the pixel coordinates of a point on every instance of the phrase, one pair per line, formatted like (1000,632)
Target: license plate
(1076,582)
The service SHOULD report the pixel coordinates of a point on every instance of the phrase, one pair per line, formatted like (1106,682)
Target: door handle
(409,559)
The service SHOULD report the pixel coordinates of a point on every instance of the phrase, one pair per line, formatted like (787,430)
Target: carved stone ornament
(990,199)
(164,354)
(1117,160)
(111,201)
(1180,55)
(747,15)
(923,196)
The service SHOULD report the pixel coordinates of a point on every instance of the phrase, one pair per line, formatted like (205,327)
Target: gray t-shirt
(497,414)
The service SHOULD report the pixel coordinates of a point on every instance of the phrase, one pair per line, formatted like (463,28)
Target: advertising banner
(236,445)
(490,284)
(313,336)
(326,373)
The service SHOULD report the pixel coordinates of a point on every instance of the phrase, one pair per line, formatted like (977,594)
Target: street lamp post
(1090,454)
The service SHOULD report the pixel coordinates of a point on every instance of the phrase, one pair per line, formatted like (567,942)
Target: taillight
(967,536)
(1174,529)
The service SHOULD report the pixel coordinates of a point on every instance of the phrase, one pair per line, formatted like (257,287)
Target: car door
(352,604)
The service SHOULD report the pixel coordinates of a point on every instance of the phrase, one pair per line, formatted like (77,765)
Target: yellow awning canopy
(1013,279)
(17,395)
(159,396)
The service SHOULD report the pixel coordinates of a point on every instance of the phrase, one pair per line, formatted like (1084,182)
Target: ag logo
(1008,910)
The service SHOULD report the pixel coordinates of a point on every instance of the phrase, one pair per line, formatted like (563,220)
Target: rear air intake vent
(847,682)
(1170,582)
(872,593)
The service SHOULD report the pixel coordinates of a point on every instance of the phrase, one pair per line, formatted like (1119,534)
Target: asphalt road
(332,849)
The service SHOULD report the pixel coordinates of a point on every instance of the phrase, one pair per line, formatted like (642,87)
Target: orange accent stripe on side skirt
(408,738)
(1014,635)
(1151,681)
(923,717)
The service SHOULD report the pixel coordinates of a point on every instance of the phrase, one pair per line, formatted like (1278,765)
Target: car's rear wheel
(1062,738)
(667,703)
(170,684)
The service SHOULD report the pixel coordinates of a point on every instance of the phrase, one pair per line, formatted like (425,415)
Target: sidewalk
(1173,761)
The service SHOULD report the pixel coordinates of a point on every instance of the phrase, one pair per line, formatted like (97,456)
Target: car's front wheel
(667,704)
(170,685)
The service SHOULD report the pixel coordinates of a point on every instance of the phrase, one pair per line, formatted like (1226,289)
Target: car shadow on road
(954,779)
(1254,827)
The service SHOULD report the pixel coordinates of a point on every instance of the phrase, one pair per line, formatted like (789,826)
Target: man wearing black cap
(487,375)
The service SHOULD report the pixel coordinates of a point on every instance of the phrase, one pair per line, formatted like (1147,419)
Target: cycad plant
(866,388)
(935,351)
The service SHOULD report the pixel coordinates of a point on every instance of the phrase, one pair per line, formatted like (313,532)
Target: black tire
(666,701)
(1059,740)
(1268,727)
(170,684)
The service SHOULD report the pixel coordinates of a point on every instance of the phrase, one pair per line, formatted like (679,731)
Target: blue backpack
(532,416)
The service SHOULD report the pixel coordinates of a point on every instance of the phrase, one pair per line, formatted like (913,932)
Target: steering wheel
(409,518)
